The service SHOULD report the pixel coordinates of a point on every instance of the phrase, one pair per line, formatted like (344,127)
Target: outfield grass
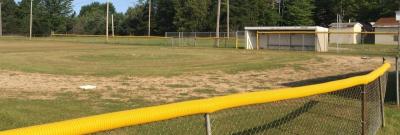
(80,56)
(109,60)
(365,49)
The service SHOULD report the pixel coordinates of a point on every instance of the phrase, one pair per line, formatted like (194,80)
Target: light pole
(218,20)
(30,22)
(398,31)
(227,18)
(149,23)
(1,24)
(112,25)
(108,7)
(397,60)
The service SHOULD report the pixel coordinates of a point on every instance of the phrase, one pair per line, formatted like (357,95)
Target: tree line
(186,15)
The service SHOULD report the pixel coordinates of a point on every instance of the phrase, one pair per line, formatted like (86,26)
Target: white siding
(385,39)
(346,38)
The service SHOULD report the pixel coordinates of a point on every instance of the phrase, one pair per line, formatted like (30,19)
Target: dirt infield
(181,87)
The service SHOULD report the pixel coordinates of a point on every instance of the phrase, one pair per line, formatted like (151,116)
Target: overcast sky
(120,5)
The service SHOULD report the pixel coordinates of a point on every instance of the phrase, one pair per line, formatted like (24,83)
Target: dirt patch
(170,89)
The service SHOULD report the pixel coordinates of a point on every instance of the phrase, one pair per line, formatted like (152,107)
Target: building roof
(386,22)
(344,25)
(286,28)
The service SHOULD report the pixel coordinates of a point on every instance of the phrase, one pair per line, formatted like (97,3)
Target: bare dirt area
(175,88)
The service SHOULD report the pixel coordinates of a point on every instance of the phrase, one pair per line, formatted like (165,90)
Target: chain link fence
(347,106)
(206,39)
(356,110)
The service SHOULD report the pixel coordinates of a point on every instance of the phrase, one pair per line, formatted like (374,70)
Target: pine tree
(299,12)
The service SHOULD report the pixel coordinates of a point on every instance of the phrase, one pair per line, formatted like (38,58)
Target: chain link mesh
(339,112)
(206,39)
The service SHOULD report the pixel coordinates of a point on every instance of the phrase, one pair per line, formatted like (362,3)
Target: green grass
(89,56)
(392,114)
(15,113)
(365,49)
(69,58)
(274,118)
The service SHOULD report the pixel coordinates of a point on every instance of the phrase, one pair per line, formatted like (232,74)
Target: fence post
(364,110)
(195,39)
(382,101)
(257,43)
(397,81)
(236,40)
(208,124)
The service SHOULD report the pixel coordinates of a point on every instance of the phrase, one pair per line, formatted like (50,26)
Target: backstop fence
(349,106)
(207,39)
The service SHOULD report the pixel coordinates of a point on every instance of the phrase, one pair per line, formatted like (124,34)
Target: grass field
(40,78)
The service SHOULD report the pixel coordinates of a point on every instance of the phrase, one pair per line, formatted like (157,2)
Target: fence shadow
(323,79)
(390,95)
(281,121)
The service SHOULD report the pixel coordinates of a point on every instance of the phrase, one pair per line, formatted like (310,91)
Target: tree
(299,12)
(10,21)
(91,19)
(58,12)
(324,13)
(253,13)
(191,15)
(136,20)
(164,13)
(41,24)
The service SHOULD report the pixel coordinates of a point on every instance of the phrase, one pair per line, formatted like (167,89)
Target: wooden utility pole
(112,25)
(30,22)
(227,18)
(1,24)
(218,19)
(108,7)
(149,25)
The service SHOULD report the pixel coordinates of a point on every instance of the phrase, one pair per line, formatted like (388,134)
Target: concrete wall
(385,39)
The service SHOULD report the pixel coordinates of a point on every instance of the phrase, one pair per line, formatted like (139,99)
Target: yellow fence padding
(133,117)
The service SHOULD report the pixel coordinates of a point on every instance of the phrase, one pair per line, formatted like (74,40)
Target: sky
(120,5)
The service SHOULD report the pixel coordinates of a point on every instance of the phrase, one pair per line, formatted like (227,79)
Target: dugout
(306,38)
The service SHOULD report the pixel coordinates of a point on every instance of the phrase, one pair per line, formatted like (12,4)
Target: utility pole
(218,19)
(1,24)
(30,22)
(108,7)
(227,18)
(149,25)
(112,25)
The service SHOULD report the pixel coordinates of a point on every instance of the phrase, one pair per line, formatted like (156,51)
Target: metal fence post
(236,40)
(208,124)
(195,39)
(397,81)
(257,42)
(382,102)
(364,110)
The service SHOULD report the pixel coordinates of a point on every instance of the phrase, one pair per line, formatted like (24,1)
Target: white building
(313,38)
(345,33)
(385,26)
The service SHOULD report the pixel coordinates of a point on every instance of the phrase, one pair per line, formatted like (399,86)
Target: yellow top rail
(79,35)
(120,119)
